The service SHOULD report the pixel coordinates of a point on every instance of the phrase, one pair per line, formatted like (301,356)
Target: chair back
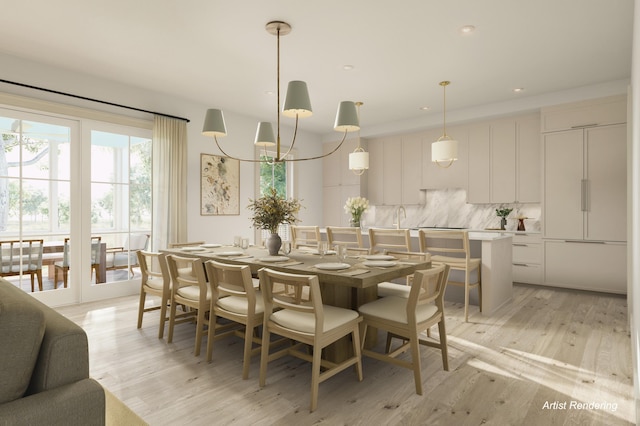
(136,242)
(65,253)
(185,244)
(186,271)
(428,286)
(294,292)
(450,246)
(305,236)
(391,239)
(20,256)
(96,250)
(153,267)
(230,280)
(348,236)
(409,255)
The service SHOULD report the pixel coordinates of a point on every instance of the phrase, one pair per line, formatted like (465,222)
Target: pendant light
(359,158)
(445,150)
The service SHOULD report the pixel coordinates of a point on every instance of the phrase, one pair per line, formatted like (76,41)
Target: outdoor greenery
(273,175)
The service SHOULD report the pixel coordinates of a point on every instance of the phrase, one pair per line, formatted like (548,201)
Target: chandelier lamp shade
(296,105)
(444,151)
(359,158)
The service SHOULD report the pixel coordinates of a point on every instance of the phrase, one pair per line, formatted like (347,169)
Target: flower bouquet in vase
(356,206)
(271,210)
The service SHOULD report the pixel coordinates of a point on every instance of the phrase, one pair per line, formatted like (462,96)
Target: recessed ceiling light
(518,90)
(425,108)
(348,67)
(269,92)
(467,29)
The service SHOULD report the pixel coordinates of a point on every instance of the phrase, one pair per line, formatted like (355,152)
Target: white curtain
(169,181)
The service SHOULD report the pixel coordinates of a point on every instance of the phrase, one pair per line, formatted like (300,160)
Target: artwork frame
(219,185)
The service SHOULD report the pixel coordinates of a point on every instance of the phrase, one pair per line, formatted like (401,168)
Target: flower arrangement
(355,206)
(271,210)
(503,213)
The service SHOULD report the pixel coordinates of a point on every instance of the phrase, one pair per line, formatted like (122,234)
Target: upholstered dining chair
(406,318)
(387,288)
(234,297)
(62,266)
(452,248)
(305,236)
(298,314)
(156,282)
(381,239)
(125,257)
(22,257)
(347,236)
(188,288)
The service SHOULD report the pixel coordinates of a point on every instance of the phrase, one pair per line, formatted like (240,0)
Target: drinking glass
(322,248)
(237,240)
(244,243)
(286,247)
(341,252)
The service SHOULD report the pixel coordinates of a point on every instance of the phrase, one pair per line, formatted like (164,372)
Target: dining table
(346,283)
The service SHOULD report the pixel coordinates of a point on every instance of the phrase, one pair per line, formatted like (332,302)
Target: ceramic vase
(273,244)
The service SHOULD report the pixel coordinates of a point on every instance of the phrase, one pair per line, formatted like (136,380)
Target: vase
(273,244)
(354,223)
(521,225)
(503,223)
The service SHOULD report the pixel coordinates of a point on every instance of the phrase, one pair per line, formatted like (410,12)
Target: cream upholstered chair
(302,317)
(347,236)
(185,244)
(63,265)
(155,281)
(305,236)
(406,318)
(396,289)
(125,257)
(234,297)
(389,239)
(452,248)
(22,257)
(188,288)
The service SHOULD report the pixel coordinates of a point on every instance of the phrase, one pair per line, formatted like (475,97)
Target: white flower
(355,206)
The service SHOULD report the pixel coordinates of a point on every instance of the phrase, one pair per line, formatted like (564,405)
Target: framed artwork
(219,185)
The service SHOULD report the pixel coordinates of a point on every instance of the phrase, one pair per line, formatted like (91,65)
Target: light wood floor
(547,346)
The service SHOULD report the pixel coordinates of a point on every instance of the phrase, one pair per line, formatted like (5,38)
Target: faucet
(398,209)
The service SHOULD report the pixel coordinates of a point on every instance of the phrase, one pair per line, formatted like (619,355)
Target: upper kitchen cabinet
(411,168)
(455,176)
(585,184)
(597,112)
(385,171)
(504,161)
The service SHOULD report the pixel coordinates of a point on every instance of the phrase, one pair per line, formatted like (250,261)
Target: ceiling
(218,53)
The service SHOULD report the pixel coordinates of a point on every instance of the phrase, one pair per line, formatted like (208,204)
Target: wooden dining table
(346,288)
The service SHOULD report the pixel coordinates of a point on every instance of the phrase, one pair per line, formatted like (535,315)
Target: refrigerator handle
(583,195)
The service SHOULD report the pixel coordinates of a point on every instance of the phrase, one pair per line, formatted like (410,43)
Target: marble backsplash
(448,208)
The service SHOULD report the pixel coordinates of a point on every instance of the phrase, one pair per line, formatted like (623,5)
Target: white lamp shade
(264,134)
(347,117)
(359,160)
(297,100)
(444,150)
(214,123)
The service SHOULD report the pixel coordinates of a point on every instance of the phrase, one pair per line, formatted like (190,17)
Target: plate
(229,253)
(382,263)
(274,259)
(379,257)
(333,266)
(328,252)
(192,249)
(210,245)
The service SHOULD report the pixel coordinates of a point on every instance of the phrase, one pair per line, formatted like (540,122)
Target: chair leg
(315,377)
(248,345)
(415,361)
(65,277)
(213,320)
(466,299)
(357,352)
(172,320)
(143,296)
(163,317)
(479,289)
(39,275)
(443,345)
(32,282)
(199,331)
(264,356)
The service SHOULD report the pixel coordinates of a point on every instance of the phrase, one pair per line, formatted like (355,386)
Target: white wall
(241,132)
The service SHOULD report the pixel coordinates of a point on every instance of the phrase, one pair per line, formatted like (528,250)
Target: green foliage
(503,212)
(271,210)
(273,175)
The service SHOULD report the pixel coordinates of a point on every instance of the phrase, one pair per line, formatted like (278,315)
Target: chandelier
(444,151)
(296,105)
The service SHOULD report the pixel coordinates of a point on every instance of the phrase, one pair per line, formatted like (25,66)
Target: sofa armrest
(81,402)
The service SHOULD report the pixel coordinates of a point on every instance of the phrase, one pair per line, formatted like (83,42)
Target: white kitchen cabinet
(334,199)
(585,184)
(527,258)
(504,161)
(411,169)
(394,170)
(595,266)
(455,176)
(375,174)
(589,113)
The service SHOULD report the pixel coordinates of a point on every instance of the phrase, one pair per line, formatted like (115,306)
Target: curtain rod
(92,100)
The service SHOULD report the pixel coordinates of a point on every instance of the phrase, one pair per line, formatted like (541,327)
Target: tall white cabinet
(584,205)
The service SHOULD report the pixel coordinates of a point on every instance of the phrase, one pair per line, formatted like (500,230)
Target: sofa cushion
(22,328)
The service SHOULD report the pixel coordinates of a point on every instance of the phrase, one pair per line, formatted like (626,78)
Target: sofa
(44,366)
